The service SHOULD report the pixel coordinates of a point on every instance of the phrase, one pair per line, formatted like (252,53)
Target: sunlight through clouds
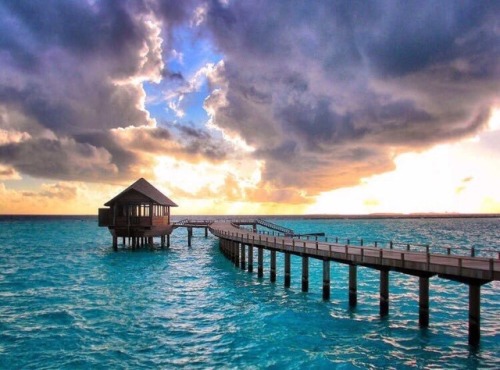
(461,177)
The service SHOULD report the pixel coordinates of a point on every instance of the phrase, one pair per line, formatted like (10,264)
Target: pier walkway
(237,243)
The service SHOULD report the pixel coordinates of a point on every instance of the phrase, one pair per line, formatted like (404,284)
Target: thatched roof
(145,188)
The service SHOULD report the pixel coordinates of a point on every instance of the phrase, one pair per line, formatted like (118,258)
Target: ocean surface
(67,301)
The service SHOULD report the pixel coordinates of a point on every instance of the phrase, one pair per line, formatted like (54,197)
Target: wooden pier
(236,243)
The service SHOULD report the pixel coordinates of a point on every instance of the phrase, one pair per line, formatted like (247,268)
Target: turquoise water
(68,301)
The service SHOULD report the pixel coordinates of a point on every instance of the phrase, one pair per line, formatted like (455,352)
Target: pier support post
(168,240)
(353,285)
(190,235)
(242,258)
(206,232)
(273,266)
(384,293)
(423,302)
(305,273)
(250,258)
(474,314)
(230,250)
(326,279)
(287,270)
(236,251)
(260,262)
(115,243)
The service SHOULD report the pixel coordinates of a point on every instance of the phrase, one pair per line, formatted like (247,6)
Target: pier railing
(447,265)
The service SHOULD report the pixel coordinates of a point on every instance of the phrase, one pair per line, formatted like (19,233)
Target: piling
(474,314)
(242,256)
(305,273)
(273,266)
(236,251)
(423,301)
(353,285)
(190,235)
(260,262)
(250,258)
(287,270)
(326,279)
(384,292)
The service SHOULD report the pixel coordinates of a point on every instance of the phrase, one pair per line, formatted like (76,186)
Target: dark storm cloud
(62,61)
(338,87)
(67,80)
(59,159)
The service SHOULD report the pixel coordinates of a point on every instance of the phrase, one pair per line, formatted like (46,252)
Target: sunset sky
(251,107)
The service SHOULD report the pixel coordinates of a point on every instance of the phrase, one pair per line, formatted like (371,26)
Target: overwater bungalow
(138,214)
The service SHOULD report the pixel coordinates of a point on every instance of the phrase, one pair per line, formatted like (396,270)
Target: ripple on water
(72,302)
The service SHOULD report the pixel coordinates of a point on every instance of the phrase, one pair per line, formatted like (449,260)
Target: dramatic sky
(235,106)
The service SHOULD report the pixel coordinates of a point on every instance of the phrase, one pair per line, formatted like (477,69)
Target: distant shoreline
(404,216)
(373,216)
